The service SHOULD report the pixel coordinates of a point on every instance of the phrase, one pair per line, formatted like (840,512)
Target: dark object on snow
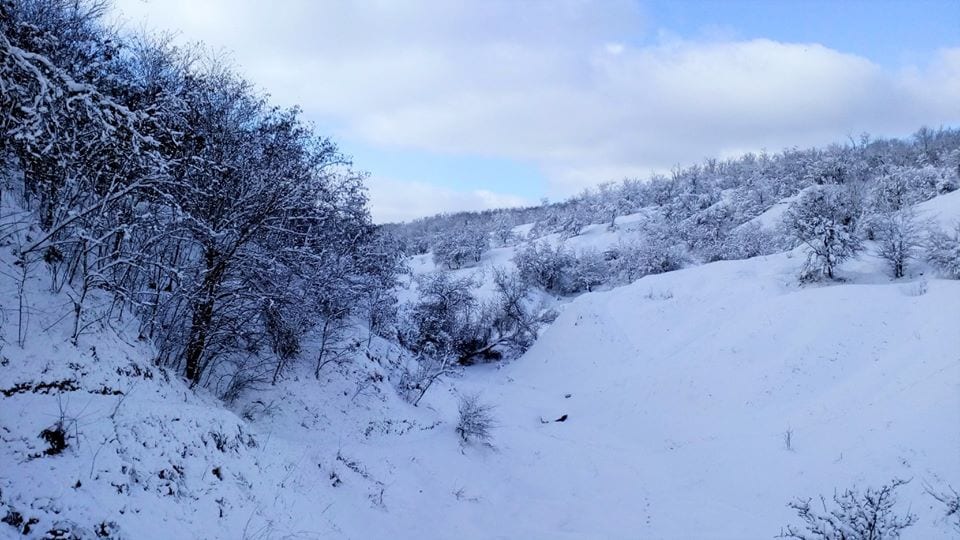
(13,518)
(561,419)
(568,396)
(56,437)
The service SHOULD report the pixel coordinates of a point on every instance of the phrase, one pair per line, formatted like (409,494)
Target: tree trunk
(202,318)
(202,315)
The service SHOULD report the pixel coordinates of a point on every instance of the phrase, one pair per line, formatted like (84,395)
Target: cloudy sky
(456,105)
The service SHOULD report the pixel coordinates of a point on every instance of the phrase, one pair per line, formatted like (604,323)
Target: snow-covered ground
(678,390)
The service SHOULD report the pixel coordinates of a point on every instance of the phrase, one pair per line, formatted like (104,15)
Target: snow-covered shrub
(449,324)
(502,231)
(284,329)
(903,186)
(748,240)
(948,183)
(416,377)
(476,419)
(589,270)
(825,220)
(870,515)
(706,230)
(382,311)
(544,265)
(609,201)
(899,239)
(444,321)
(458,247)
(943,252)
(514,320)
(917,288)
(950,499)
(572,223)
(651,255)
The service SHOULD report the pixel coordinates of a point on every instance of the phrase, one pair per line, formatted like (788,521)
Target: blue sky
(891,33)
(459,105)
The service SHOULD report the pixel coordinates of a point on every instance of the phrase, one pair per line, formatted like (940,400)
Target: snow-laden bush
(706,230)
(633,260)
(446,319)
(904,186)
(748,240)
(943,252)
(948,184)
(514,321)
(458,247)
(949,498)
(870,515)
(502,231)
(543,265)
(476,419)
(589,270)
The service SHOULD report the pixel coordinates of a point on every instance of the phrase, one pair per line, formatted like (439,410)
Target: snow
(684,384)
(770,219)
(678,390)
(942,210)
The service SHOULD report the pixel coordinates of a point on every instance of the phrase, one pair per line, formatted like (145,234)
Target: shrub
(950,500)
(589,271)
(854,516)
(445,320)
(545,266)
(514,319)
(476,419)
(649,256)
(746,241)
(458,247)
(943,252)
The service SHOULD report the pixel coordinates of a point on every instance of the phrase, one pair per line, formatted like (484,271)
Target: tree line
(835,198)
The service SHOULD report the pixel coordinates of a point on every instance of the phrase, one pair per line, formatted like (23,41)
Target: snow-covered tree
(825,220)
(502,230)
(545,265)
(899,239)
(457,247)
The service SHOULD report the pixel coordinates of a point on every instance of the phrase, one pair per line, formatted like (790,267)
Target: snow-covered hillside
(678,393)
(683,386)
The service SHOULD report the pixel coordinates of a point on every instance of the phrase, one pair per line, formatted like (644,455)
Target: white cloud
(396,200)
(557,84)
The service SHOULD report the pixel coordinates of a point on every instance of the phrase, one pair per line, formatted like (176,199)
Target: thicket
(155,176)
